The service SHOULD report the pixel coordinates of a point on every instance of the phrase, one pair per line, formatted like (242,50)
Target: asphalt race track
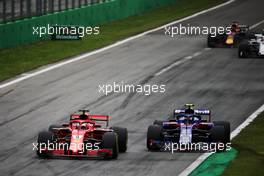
(232,88)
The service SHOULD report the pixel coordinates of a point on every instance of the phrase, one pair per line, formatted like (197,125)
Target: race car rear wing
(202,111)
(104,118)
(85,115)
(196,111)
(243,28)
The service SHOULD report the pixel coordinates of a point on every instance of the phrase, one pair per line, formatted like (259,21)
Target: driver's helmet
(195,119)
(84,126)
(189,109)
(183,119)
(186,119)
(75,125)
(235,27)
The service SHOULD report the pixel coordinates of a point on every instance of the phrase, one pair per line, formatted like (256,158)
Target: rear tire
(249,36)
(242,53)
(243,50)
(226,126)
(218,135)
(109,141)
(154,133)
(44,138)
(210,42)
(122,136)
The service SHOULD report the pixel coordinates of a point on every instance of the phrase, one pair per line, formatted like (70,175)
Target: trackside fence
(21,31)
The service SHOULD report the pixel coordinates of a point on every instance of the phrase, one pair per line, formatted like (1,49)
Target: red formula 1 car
(83,136)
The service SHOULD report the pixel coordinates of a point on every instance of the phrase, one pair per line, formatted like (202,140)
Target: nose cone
(77,140)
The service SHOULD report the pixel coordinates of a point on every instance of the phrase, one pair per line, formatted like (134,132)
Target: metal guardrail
(12,10)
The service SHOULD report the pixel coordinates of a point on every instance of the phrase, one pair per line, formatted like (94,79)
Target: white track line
(207,49)
(247,122)
(178,62)
(195,164)
(197,54)
(170,66)
(234,133)
(256,25)
(74,59)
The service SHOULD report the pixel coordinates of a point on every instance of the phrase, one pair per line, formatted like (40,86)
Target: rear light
(151,141)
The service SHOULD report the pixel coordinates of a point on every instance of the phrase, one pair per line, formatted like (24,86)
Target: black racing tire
(243,50)
(218,136)
(250,35)
(154,133)
(226,126)
(211,43)
(44,138)
(242,53)
(122,136)
(158,122)
(110,141)
(218,133)
(237,40)
(51,127)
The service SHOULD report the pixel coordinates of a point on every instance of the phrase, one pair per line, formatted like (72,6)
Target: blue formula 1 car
(187,126)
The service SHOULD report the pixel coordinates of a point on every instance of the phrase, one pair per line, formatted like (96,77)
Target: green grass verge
(215,164)
(24,58)
(250,146)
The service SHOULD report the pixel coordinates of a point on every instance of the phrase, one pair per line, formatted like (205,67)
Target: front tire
(122,136)
(109,141)
(210,42)
(218,136)
(226,126)
(154,134)
(242,53)
(243,50)
(44,138)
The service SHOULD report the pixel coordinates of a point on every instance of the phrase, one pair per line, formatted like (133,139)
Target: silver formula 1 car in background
(253,47)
